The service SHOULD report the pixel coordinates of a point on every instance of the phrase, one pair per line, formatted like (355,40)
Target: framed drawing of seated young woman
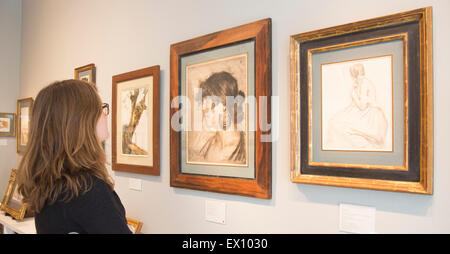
(362,105)
(220,94)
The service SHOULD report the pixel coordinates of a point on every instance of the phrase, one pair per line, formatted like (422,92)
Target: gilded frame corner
(137,225)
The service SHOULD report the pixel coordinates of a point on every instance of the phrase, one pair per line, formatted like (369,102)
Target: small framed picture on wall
(7,125)
(86,73)
(24,109)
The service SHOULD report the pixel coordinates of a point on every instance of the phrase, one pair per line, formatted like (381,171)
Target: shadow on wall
(396,202)
(224,197)
(149,178)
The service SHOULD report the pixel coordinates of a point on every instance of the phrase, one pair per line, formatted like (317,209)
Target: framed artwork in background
(134,225)
(215,144)
(12,200)
(86,73)
(7,125)
(135,121)
(24,109)
(362,104)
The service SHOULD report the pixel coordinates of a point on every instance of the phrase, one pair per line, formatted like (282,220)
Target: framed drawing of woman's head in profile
(223,137)
(216,83)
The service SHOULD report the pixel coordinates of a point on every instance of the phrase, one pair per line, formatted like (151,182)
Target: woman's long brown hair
(63,151)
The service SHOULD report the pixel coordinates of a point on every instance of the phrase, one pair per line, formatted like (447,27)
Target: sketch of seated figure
(362,125)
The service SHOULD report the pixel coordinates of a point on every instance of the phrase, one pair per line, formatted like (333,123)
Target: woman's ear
(102,128)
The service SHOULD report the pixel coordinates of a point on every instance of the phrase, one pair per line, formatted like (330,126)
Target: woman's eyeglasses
(105,108)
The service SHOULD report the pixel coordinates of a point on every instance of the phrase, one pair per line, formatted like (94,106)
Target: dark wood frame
(417,175)
(138,169)
(14,125)
(260,187)
(85,68)
(31,100)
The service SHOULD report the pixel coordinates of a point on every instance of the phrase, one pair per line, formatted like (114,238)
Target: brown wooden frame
(14,122)
(138,169)
(260,187)
(31,101)
(418,88)
(90,67)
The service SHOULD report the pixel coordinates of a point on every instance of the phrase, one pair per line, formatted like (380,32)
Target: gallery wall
(121,36)
(10,23)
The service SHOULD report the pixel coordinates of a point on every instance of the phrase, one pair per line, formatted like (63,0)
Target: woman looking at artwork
(221,141)
(62,176)
(362,124)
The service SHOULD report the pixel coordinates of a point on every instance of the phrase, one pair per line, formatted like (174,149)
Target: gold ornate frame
(301,79)
(17,214)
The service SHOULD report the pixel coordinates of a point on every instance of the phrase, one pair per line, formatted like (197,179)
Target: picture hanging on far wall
(7,125)
(12,201)
(219,82)
(362,104)
(86,73)
(135,121)
(24,108)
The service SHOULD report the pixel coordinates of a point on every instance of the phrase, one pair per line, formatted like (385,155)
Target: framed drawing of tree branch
(362,104)
(135,121)
(218,85)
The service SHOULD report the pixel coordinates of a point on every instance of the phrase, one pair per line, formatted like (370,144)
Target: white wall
(10,22)
(121,36)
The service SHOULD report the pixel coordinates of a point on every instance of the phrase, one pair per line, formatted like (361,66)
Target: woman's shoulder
(98,185)
(92,188)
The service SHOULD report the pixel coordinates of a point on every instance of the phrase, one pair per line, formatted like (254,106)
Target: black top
(98,211)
